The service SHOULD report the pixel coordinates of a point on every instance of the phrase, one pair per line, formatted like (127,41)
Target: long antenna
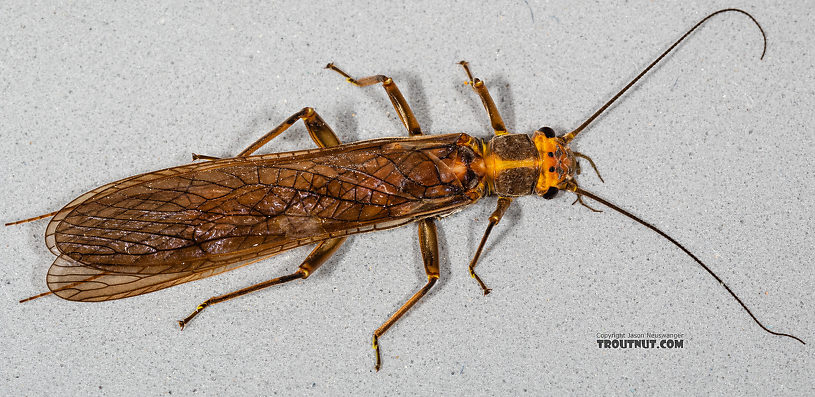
(581,192)
(568,137)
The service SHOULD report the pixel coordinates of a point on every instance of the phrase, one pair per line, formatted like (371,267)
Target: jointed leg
(398,101)
(319,131)
(196,157)
(481,89)
(503,204)
(317,257)
(322,135)
(428,242)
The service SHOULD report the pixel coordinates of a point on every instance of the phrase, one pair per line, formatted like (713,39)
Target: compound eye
(551,193)
(547,131)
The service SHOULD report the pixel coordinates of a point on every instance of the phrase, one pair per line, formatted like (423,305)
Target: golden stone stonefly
(164,228)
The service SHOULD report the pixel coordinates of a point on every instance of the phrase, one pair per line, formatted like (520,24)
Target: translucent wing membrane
(164,228)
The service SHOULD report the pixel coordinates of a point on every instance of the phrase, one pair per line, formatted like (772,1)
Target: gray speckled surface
(715,147)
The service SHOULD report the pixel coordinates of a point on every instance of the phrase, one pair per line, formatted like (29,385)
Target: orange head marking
(557,163)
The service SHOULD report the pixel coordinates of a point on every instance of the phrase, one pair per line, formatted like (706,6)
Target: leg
(398,101)
(319,131)
(323,137)
(196,157)
(481,89)
(428,240)
(503,204)
(317,257)
(430,254)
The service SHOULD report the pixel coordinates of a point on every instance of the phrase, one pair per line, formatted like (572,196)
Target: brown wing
(168,227)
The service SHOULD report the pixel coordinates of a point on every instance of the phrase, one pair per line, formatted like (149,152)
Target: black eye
(551,169)
(547,131)
(551,193)
(551,154)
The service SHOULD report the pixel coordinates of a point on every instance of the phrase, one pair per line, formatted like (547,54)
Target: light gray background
(715,147)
